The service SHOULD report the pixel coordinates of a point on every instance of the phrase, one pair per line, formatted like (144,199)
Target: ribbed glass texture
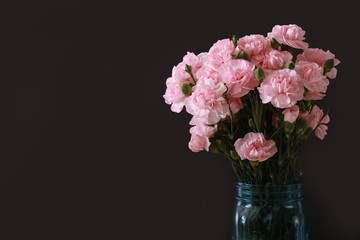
(269,212)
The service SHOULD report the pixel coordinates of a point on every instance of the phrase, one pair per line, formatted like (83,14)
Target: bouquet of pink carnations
(253,99)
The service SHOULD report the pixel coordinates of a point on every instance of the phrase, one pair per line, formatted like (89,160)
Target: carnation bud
(186,89)
(301,126)
(251,123)
(234,155)
(307,134)
(290,65)
(289,127)
(259,74)
(275,44)
(222,145)
(243,55)
(213,148)
(234,40)
(329,64)
(188,68)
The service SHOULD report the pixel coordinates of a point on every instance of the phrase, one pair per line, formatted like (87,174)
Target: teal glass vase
(269,212)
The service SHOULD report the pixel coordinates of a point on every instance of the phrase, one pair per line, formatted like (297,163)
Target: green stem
(231,115)
(277,130)
(192,76)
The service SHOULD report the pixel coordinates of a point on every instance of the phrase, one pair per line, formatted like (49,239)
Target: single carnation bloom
(291,35)
(313,119)
(313,79)
(206,103)
(291,114)
(173,94)
(220,53)
(282,87)
(200,135)
(255,147)
(274,60)
(319,57)
(255,46)
(238,75)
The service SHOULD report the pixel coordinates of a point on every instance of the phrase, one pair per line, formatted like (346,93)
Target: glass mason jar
(269,212)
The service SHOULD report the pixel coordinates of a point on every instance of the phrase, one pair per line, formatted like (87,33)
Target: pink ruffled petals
(255,147)
(283,88)
(200,135)
(238,75)
(290,35)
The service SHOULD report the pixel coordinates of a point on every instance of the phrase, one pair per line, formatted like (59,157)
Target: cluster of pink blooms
(218,80)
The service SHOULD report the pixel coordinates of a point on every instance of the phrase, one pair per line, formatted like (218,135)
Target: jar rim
(239,184)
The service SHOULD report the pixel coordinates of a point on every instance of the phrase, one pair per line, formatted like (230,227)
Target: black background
(90,150)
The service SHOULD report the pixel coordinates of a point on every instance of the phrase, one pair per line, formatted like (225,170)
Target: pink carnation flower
(255,147)
(291,114)
(313,79)
(282,87)
(319,56)
(239,77)
(200,135)
(220,53)
(255,46)
(207,104)
(291,35)
(274,60)
(173,94)
(313,119)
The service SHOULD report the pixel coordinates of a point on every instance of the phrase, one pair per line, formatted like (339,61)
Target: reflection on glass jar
(269,212)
